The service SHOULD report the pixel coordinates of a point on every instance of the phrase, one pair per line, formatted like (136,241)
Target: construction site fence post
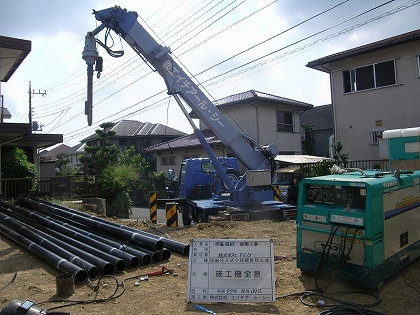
(153,206)
(171,214)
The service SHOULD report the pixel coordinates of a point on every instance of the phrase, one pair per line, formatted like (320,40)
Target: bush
(116,182)
(321,168)
(122,204)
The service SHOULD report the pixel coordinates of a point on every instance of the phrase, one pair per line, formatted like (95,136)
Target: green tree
(340,158)
(102,155)
(15,164)
(62,165)
(118,180)
(130,156)
(309,142)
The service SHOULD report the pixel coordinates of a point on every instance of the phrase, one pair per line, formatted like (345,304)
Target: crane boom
(252,155)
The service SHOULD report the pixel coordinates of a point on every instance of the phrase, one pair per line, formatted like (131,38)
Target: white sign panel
(231,270)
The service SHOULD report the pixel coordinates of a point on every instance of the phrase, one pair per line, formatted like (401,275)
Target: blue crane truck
(252,191)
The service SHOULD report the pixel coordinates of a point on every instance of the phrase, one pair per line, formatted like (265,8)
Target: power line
(272,37)
(296,42)
(415,2)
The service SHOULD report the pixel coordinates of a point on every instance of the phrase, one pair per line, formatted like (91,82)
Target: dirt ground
(166,294)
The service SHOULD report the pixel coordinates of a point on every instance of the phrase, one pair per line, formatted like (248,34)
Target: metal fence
(68,187)
(367,164)
(86,186)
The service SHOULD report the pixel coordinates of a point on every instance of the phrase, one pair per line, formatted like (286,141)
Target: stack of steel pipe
(172,245)
(48,256)
(77,244)
(134,237)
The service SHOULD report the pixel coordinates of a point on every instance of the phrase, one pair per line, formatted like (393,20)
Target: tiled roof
(255,95)
(148,129)
(378,45)
(134,128)
(318,117)
(5,112)
(188,141)
(126,127)
(51,154)
(78,148)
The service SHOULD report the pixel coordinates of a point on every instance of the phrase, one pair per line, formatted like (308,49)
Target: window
(284,121)
(369,77)
(167,160)
(122,141)
(207,167)
(374,136)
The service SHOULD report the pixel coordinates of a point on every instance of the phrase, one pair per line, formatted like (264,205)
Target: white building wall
(383,108)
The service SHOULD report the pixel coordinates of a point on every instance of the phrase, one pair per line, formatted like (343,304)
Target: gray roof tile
(134,128)
(255,95)
(188,141)
(319,117)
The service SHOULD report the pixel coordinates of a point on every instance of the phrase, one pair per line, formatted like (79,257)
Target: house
(138,134)
(47,159)
(74,154)
(13,51)
(267,118)
(170,154)
(374,87)
(319,119)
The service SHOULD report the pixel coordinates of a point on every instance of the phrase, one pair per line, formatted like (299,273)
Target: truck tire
(233,175)
(187,215)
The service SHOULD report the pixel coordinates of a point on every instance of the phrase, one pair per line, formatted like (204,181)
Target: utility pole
(31,93)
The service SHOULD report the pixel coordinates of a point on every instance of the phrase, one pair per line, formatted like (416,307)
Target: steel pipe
(131,260)
(80,275)
(165,253)
(58,232)
(145,258)
(26,231)
(106,267)
(135,237)
(174,246)
(156,256)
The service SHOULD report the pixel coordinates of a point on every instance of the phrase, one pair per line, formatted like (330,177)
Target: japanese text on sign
(231,270)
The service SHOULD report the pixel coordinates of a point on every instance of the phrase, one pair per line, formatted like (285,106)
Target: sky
(228,46)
